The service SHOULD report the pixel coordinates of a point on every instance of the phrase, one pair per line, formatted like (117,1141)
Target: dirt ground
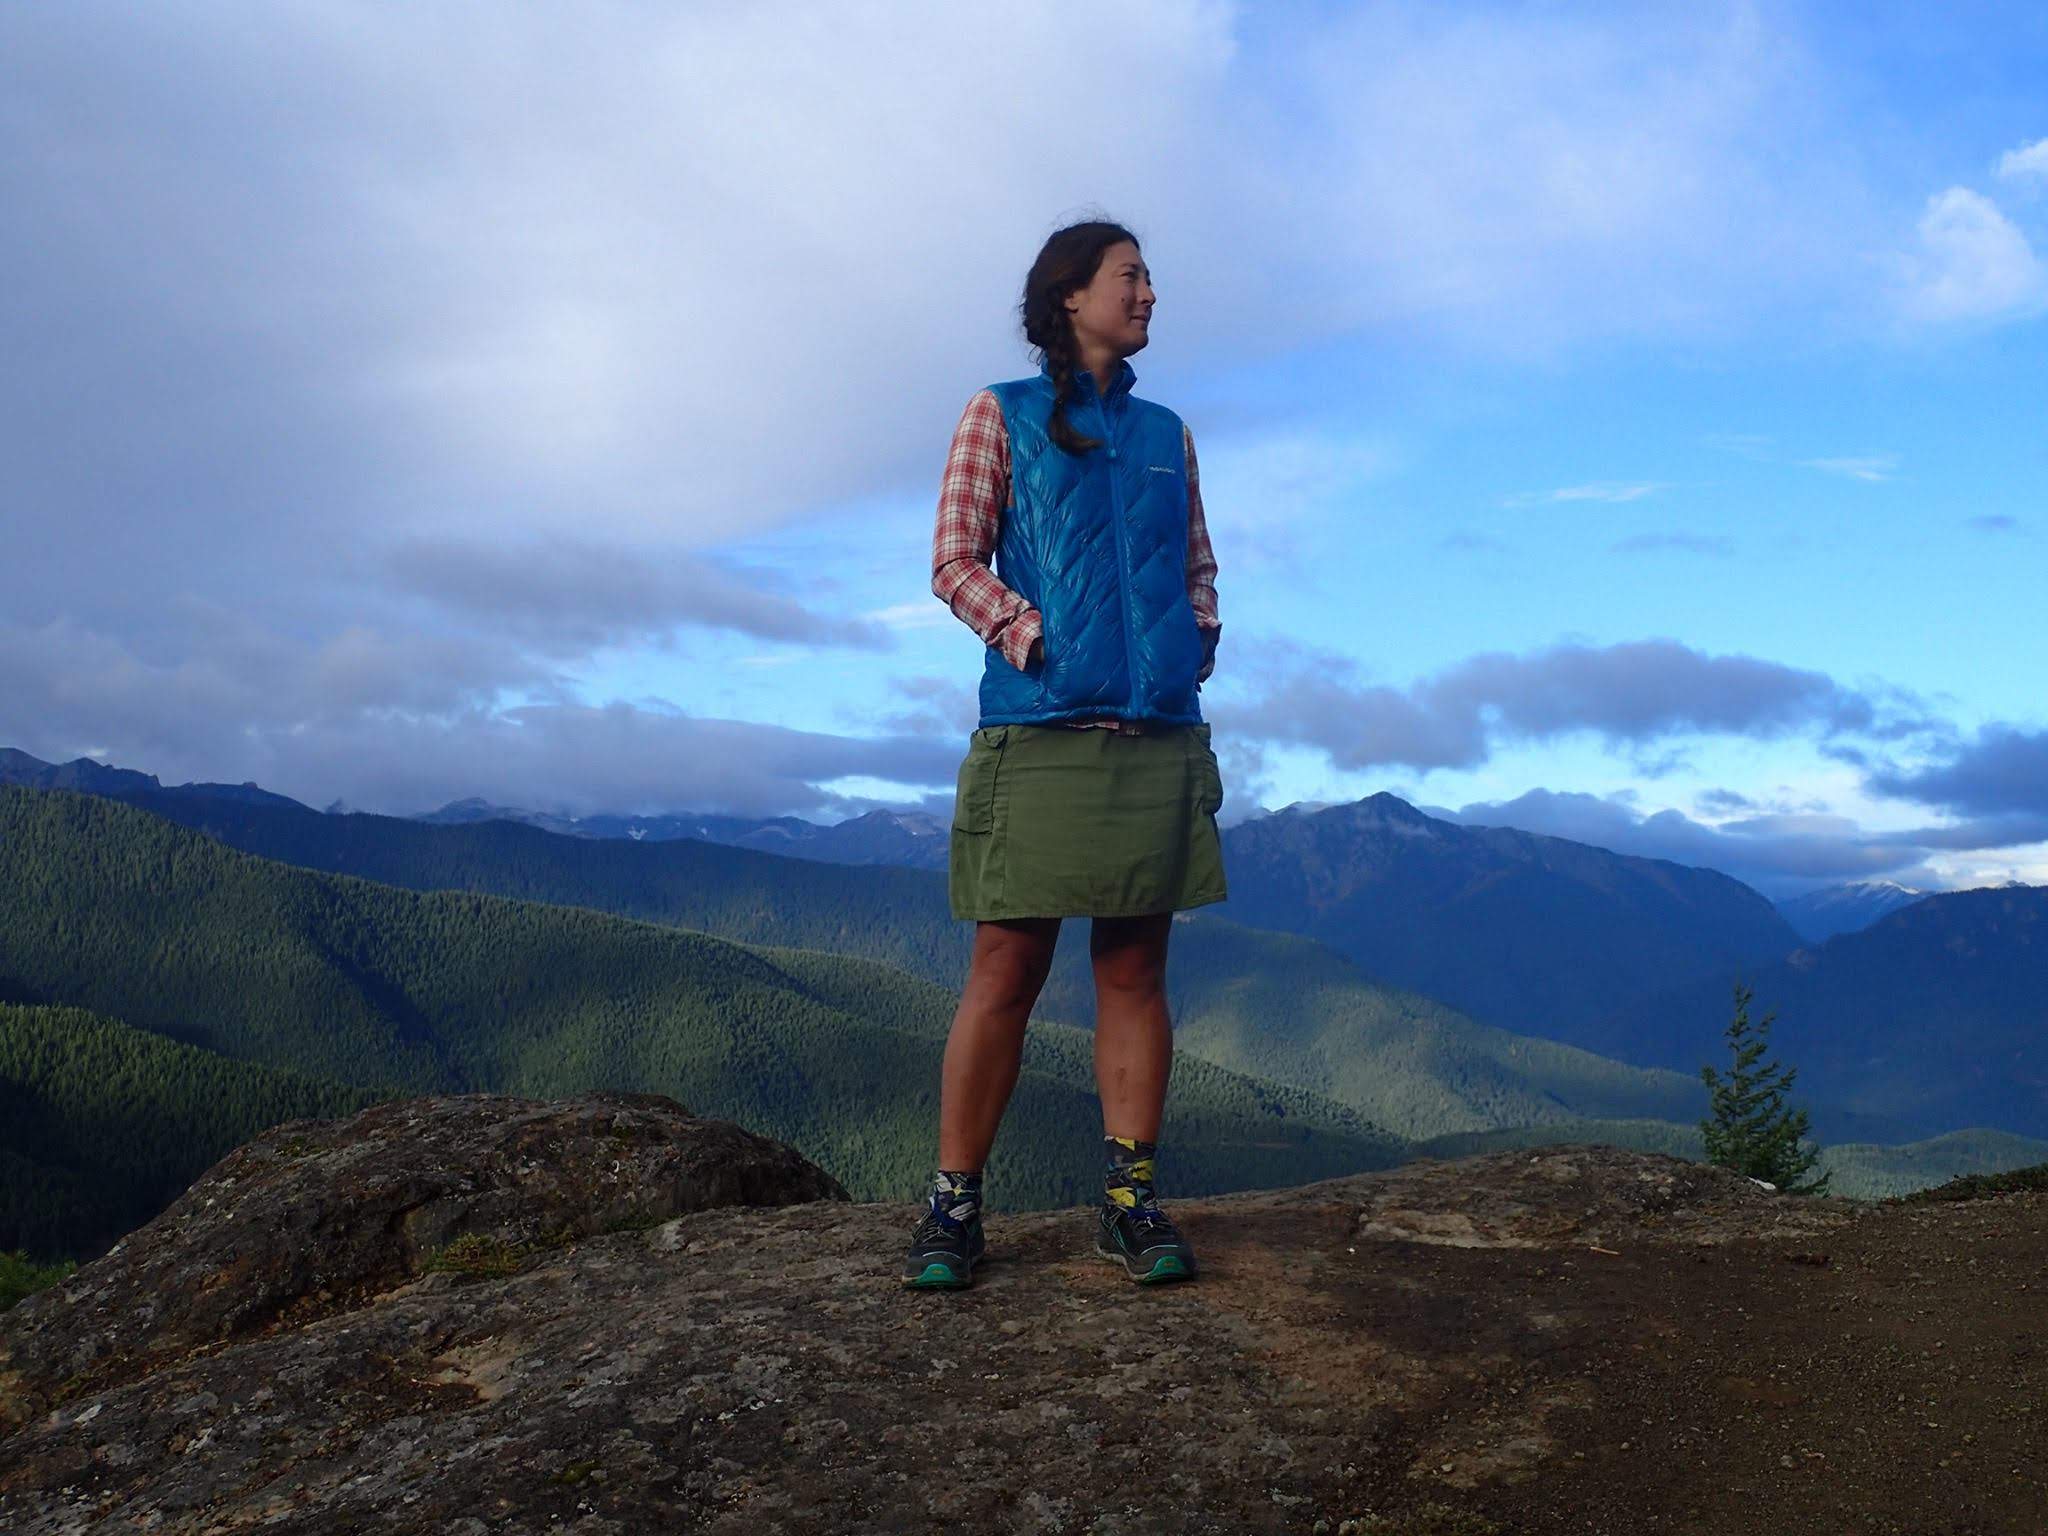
(1574,1339)
(1889,1376)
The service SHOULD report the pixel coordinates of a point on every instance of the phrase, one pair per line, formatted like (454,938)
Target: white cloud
(2027,163)
(1285,487)
(925,615)
(1973,263)
(1872,468)
(1599,490)
(595,269)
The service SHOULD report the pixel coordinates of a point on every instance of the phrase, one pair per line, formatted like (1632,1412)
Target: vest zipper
(1123,553)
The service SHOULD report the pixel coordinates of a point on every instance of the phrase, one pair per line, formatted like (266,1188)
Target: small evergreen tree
(22,1276)
(1749,1130)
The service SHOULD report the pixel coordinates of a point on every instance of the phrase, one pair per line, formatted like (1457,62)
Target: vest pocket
(974,796)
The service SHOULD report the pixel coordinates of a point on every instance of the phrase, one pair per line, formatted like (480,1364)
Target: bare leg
(1010,963)
(1133,1035)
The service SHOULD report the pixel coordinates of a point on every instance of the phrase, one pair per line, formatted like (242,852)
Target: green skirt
(1050,821)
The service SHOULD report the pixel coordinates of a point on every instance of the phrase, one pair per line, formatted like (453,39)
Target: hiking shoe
(1145,1241)
(943,1252)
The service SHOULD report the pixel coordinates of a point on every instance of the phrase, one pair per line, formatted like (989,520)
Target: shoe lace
(1154,1218)
(936,1226)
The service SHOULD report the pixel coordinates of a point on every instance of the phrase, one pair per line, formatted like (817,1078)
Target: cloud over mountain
(2002,770)
(1630,693)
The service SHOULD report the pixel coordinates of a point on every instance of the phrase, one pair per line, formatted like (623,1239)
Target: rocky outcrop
(1570,1338)
(318,1216)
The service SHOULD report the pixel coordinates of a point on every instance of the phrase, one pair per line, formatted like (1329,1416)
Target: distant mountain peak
(1819,915)
(1382,804)
(1393,805)
(14,760)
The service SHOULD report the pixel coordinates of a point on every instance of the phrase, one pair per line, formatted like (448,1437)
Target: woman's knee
(1013,959)
(1129,954)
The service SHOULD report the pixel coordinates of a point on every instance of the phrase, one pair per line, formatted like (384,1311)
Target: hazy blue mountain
(1535,934)
(92,778)
(1935,1015)
(909,839)
(1290,1010)
(1833,909)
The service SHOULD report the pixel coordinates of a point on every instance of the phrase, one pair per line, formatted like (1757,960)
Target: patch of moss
(575,1472)
(476,1253)
(1975,1186)
(297,1146)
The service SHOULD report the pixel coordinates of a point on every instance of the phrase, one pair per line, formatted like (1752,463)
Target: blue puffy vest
(1098,545)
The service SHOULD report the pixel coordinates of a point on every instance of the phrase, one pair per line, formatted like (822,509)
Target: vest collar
(1084,381)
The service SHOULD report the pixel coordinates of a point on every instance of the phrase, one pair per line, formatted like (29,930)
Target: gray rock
(1448,1347)
(316,1217)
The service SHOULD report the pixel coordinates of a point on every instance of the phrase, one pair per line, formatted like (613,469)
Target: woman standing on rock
(1089,788)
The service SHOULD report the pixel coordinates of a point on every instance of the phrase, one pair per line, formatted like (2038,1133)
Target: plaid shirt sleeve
(972,496)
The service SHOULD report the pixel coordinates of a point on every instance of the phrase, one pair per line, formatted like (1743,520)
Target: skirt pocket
(974,796)
(1208,771)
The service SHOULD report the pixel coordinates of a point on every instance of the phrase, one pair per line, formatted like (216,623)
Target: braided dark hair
(1068,260)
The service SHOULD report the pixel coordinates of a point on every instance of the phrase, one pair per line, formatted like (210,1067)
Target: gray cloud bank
(1637,698)
(567,598)
(1781,854)
(1633,694)
(2002,771)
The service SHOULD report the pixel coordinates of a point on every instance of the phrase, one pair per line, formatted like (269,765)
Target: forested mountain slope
(107,908)
(102,1125)
(1254,999)
(1536,934)
(1935,1015)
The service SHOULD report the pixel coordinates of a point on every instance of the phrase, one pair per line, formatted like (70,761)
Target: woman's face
(1115,309)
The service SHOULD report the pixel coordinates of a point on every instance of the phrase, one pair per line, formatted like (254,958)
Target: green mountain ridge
(107,908)
(1938,1079)
(220,979)
(1417,1067)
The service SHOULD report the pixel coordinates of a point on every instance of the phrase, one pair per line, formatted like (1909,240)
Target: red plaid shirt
(972,499)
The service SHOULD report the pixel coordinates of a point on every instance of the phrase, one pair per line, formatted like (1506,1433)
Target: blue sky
(1618,422)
